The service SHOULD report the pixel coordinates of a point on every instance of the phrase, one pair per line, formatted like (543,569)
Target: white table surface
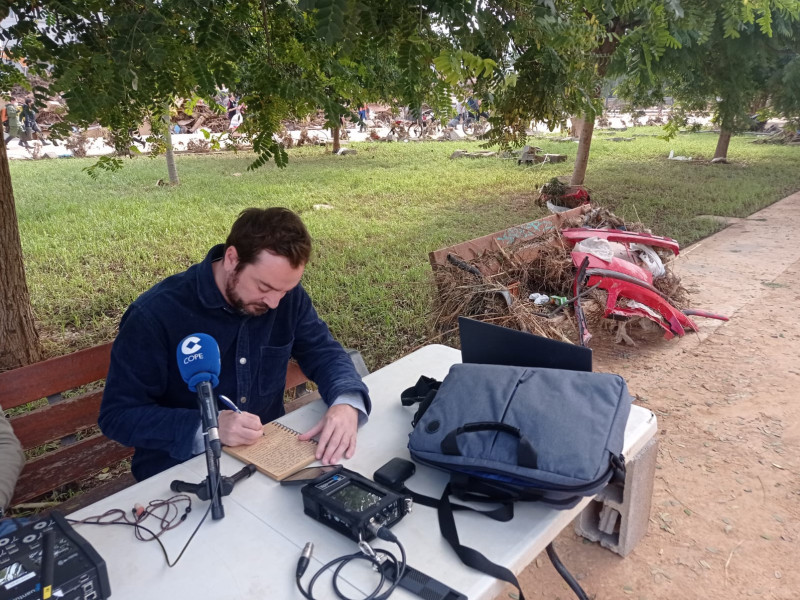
(253,551)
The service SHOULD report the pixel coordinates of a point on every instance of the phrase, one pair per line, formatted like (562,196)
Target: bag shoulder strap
(503,513)
(470,556)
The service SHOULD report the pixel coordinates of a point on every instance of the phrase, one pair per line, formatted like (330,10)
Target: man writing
(246,294)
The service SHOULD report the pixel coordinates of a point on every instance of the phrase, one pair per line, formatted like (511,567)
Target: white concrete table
(253,551)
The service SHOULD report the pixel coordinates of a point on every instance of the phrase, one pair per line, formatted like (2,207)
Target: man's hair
(275,229)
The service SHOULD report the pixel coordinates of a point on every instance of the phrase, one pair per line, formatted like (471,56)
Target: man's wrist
(354,400)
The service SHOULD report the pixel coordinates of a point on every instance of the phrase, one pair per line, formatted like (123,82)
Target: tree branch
(265,19)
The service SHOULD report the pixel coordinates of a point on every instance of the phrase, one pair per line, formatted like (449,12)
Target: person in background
(15,129)
(29,123)
(363,115)
(474,105)
(12,459)
(231,106)
(221,97)
(136,138)
(460,110)
(247,295)
(459,118)
(237,119)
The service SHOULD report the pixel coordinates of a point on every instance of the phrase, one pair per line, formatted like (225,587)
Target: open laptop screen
(489,344)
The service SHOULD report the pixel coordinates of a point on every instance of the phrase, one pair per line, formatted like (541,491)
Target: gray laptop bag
(547,434)
(516,433)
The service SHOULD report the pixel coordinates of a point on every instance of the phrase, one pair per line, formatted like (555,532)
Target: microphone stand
(225,487)
(213,452)
(214,486)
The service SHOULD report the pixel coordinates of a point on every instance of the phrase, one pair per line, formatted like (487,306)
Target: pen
(227,402)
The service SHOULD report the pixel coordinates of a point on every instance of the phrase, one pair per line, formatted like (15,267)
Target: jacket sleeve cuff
(355,400)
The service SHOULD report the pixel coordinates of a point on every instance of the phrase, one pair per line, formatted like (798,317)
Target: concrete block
(618,516)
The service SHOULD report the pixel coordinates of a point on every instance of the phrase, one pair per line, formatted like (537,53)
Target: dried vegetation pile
(495,287)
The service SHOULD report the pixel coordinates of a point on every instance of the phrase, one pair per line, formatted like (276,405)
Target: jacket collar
(207,290)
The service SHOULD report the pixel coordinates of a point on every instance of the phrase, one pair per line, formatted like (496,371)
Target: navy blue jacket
(146,403)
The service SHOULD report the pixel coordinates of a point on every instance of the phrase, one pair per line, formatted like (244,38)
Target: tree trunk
(336,141)
(722,144)
(576,126)
(603,53)
(582,158)
(171,168)
(19,341)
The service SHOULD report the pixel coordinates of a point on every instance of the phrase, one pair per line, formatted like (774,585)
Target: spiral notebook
(278,453)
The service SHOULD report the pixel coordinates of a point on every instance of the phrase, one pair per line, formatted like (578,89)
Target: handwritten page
(278,453)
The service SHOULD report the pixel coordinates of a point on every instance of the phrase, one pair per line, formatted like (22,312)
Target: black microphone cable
(366,553)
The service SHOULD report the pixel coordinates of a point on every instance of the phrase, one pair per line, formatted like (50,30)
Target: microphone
(199,364)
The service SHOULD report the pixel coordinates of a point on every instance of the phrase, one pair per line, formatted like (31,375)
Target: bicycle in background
(475,121)
(426,126)
(475,125)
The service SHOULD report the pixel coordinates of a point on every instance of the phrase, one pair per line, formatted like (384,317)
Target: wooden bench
(63,432)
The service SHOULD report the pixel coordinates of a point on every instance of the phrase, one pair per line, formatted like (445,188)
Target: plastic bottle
(539,299)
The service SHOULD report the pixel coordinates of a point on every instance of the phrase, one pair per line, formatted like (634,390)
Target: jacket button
(243,399)
(242,361)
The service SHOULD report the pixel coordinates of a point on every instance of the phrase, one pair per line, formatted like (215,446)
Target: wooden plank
(500,239)
(45,473)
(54,422)
(96,494)
(197,123)
(26,384)
(301,401)
(294,376)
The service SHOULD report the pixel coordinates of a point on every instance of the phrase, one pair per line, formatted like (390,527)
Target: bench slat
(26,384)
(96,494)
(65,465)
(294,376)
(54,422)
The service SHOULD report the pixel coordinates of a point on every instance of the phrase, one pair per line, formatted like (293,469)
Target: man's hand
(237,429)
(337,434)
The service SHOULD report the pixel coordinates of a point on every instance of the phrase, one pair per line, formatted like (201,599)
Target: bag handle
(423,392)
(526,455)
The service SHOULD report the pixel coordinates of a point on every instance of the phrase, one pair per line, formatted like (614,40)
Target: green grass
(92,246)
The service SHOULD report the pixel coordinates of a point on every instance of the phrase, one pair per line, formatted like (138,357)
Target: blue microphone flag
(198,360)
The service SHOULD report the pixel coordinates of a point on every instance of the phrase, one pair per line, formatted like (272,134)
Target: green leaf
(330,15)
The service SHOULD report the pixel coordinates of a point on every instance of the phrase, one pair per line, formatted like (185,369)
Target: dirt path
(725,516)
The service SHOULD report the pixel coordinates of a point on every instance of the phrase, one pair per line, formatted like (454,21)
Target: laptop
(489,344)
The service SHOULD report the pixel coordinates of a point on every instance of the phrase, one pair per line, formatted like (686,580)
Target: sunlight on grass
(91,246)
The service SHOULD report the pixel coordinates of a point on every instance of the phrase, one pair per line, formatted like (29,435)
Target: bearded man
(247,295)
